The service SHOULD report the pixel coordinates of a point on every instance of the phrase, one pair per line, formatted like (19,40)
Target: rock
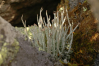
(16,51)
(6,11)
(12,10)
(96,62)
(7,31)
(95,9)
(29,56)
(74,3)
(8,44)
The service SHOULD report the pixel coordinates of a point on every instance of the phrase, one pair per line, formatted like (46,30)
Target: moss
(84,49)
(1,36)
(5,52)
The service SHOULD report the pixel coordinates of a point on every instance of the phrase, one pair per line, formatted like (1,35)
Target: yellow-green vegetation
(1,36)
(8,51)
(23,32)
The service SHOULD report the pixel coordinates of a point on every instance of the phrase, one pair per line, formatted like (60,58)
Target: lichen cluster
(8,52)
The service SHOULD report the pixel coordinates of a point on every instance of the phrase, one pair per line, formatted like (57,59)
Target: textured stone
(74,3)
(96,62)
(29,56)
(7,31)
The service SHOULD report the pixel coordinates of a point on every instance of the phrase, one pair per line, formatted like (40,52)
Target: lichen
(8,51)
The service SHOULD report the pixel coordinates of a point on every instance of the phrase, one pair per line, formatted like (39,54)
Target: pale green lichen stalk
(54,38)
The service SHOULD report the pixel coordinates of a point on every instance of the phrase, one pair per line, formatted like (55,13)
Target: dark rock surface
(12,10)
(96,62)
(74,3)
(29,8)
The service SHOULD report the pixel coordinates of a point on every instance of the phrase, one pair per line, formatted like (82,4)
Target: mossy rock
(8,52)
